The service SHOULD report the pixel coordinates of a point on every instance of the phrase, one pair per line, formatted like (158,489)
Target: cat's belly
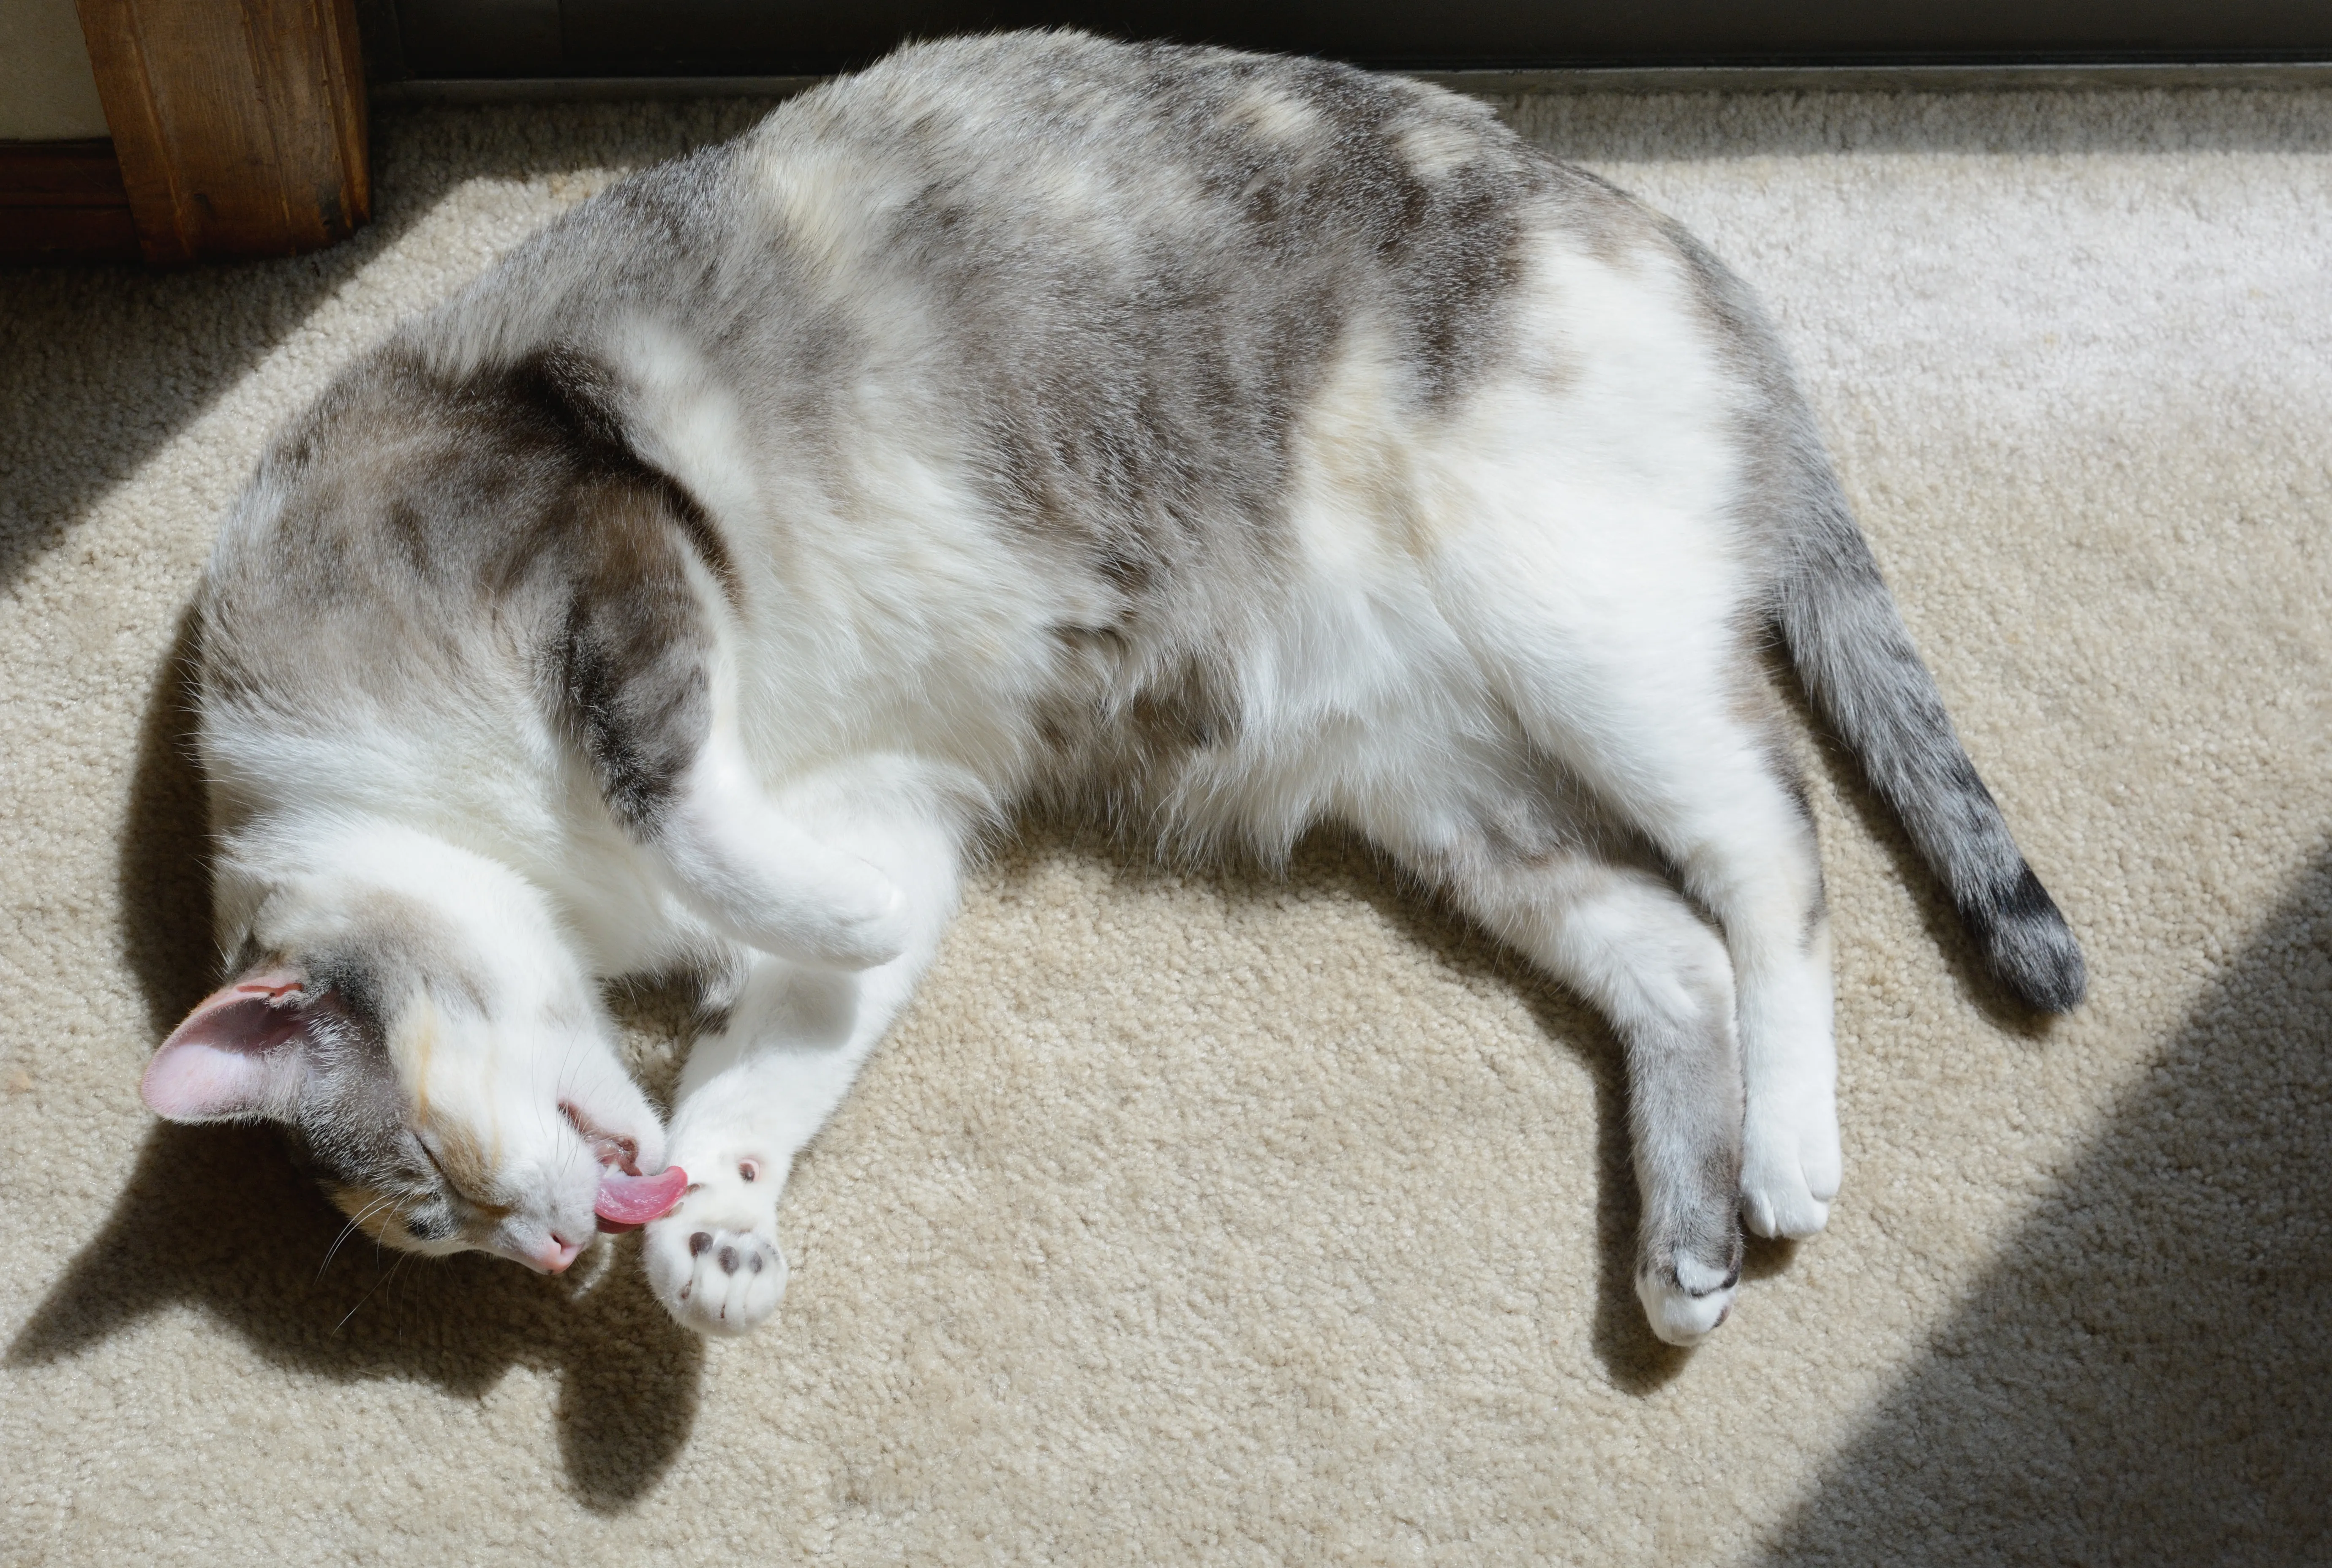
(1591,472)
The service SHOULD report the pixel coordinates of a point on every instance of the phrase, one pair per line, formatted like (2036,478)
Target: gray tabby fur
(967,435)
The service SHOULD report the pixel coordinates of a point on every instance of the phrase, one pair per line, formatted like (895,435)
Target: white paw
(860,925)
(713,1280)
(1685,1305)
(715,1260)
(1790,1166)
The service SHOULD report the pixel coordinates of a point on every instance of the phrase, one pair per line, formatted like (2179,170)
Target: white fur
(494,1065)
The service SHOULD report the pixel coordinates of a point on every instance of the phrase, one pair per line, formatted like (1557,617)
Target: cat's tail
(1856,658)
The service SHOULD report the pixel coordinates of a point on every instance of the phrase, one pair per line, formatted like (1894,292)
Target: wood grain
(240,124)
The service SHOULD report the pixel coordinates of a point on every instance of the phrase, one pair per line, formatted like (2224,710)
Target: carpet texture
(1215,1218)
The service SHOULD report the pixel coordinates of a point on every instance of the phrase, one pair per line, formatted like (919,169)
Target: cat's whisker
(332,1251)
(356,1222)
(367,1295)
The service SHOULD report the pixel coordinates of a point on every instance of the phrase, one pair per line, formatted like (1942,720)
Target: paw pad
(714,1279)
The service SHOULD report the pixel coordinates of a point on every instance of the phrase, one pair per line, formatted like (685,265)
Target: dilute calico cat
(1230,443)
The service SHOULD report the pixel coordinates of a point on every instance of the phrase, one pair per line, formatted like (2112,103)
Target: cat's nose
(556,1253)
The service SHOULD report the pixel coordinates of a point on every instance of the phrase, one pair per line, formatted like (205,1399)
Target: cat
(1225,442)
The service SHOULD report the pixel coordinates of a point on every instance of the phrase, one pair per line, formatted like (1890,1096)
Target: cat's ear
(239,1054)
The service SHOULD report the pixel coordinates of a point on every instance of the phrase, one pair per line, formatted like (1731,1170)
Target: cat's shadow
(217,1216)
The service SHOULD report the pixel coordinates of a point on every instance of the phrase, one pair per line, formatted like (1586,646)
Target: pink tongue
(626,1201)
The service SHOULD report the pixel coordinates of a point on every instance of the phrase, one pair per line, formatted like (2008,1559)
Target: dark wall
(474,38)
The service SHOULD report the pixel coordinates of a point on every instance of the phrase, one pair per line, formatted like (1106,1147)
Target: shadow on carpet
(100,366)
(2145,1374)
(218,1217)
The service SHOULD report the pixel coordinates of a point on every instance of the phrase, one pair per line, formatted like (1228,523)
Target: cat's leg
(761,875)
(1719,798)
(646,682)
(758,1087)
(1654,699)
(1626,940)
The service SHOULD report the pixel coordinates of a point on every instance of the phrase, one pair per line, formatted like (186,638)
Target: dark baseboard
(1639,79)
(64,201)
(440,40)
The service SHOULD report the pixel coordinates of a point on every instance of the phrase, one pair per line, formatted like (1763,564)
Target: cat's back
(1035,190)
(1084,269)
(1048,131)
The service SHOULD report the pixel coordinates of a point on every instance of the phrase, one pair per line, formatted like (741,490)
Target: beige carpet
(1214,1219)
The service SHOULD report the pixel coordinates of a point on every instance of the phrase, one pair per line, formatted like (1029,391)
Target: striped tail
(1866,679)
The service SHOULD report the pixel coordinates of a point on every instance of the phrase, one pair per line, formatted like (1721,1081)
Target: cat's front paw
(717,1281)
(714,1261)
(861,924)
(1790,1166)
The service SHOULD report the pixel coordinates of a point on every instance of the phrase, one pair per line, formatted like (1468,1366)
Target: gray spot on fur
(1135,361)
(433,525)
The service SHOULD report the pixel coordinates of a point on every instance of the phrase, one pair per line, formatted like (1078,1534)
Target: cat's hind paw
(1688,1302)
(711,1278)
(1789,1169)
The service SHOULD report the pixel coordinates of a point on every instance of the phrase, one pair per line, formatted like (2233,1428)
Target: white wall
(46,90)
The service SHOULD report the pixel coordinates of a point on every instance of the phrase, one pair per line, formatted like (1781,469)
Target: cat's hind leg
(758,1087)
(1636,672)
(1717,795)
(1625,940)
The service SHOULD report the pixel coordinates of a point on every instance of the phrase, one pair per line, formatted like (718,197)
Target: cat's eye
(430,1155)
(451,1191)
(749,1170)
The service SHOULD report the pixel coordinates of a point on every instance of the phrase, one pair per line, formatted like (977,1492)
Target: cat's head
(407,1012)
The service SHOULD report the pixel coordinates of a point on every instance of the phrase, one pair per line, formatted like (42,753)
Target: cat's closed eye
(431,1225)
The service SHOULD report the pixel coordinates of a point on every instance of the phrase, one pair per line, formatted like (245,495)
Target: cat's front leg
(714,1261)
(764,875)
(757,1089)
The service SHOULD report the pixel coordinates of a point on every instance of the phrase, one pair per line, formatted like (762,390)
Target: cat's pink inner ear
(236,1056)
